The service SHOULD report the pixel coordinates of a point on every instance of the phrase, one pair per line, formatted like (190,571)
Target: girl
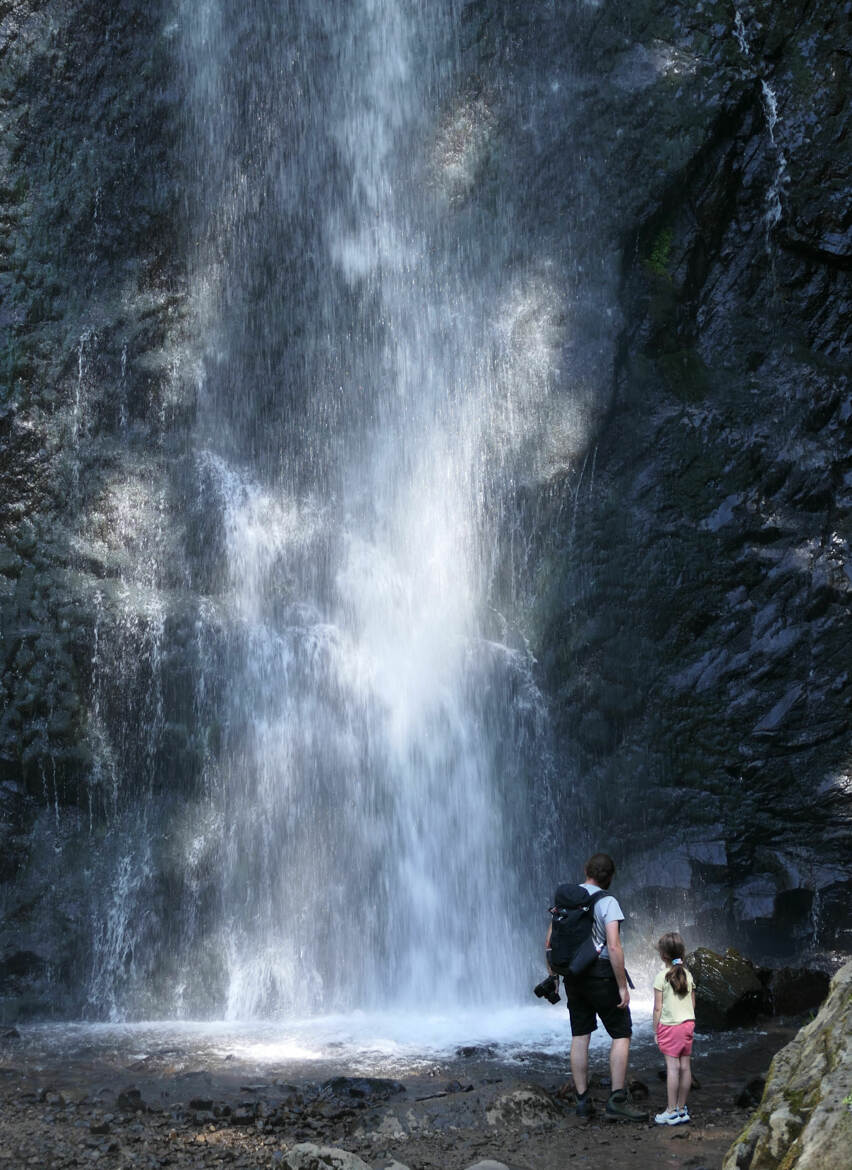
(674,1026)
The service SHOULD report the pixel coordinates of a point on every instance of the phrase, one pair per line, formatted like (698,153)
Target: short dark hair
(601,868)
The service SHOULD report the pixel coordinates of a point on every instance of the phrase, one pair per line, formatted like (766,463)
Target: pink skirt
(676,1039)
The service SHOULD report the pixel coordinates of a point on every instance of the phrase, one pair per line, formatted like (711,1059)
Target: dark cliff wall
(688,578)
(695,629)
(90,302)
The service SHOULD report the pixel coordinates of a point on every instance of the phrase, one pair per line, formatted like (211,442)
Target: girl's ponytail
(672,950)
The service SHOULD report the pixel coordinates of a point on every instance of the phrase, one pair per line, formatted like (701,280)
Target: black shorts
(597,995)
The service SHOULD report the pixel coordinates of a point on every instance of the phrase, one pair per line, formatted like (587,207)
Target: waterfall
(369,820)
(774,209)
(740,33)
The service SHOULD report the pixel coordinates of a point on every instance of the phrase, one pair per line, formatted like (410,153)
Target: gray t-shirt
(606,910)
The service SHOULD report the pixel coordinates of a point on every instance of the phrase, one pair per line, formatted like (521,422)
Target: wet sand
(96,1105)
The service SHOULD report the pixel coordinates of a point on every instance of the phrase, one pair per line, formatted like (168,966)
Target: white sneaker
(684,1115)
(669,1117)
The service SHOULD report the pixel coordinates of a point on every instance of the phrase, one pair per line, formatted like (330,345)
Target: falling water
(367,821)
(740,33)
(774,209)
(122,391)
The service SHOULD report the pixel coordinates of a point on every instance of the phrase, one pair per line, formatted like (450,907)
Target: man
(601,991)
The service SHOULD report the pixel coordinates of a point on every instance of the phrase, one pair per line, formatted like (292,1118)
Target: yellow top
(675,1009)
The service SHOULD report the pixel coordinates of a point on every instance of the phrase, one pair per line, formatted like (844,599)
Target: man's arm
(547,949)
(616,958)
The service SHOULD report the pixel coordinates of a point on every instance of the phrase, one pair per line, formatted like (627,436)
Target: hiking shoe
(584,1106)
(669,1117)
(620,1108)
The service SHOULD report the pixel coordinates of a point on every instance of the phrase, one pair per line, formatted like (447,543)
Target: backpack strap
(590,905)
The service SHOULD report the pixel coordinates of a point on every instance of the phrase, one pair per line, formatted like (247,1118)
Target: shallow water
(369,1043)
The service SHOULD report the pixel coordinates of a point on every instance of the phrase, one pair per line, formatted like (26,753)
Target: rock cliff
(680,172)
(804,1121)
(694,584)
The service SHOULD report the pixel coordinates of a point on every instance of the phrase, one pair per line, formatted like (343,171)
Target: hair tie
(675,962)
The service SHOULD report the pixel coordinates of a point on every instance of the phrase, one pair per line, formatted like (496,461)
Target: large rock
(804,1121)
(728,989)
(526,1105)
(796,990)
(307,1156)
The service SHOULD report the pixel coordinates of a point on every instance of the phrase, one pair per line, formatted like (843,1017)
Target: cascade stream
(371,814)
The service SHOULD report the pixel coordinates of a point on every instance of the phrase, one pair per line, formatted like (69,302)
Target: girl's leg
(685,1079)
(672,1080)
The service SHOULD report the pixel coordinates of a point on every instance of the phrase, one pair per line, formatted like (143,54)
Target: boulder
(361,1088)
(307,1156)
(130,1101)
(729,991)
(796,990)
(525,1105)
(804,1121)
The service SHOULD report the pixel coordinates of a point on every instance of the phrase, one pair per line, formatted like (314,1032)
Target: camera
(548,989)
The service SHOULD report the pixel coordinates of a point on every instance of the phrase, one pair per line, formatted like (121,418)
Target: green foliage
(660,254)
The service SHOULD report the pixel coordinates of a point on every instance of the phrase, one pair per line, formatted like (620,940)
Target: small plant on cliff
(658,260)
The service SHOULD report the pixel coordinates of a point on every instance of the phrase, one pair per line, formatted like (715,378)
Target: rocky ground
(100,1107)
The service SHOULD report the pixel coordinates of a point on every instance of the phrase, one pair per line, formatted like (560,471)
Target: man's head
(600,870)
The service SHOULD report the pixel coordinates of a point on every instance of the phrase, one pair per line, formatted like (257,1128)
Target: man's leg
(618,1054)
(619,1106)
(580,1062)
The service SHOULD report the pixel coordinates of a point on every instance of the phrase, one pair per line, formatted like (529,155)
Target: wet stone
(130,1101)
(375,1088)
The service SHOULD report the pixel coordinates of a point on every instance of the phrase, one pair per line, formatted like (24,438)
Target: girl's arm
(658,1009)
(693,1001)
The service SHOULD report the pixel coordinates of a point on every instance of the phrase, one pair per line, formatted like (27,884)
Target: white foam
(356,1041)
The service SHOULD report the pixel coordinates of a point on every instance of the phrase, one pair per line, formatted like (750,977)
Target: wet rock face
(89,300)
(693,621)
(804,1119)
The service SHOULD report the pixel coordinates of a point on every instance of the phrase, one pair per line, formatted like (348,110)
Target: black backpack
(571,947)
